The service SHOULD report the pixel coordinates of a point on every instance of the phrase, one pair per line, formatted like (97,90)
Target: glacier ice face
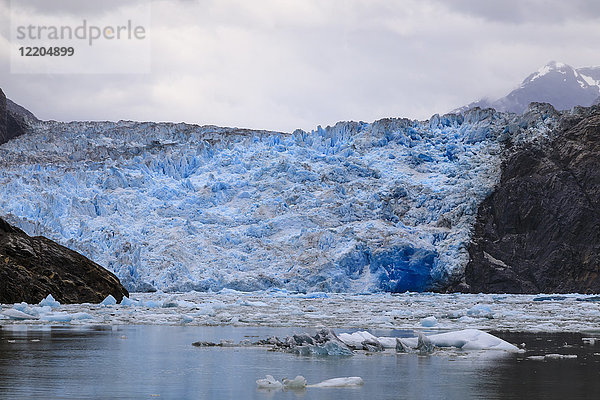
(357,207)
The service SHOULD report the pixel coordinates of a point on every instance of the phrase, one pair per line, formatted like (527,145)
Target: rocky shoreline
(33,267)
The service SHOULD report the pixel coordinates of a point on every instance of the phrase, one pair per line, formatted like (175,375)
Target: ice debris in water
(109,301)
(18,315)
(127,302)
(323,343)
(339,382)
(269,383)
(429,322)
(467,339)
(49,301)
(299,382)
(481,311)
(552,357)
(327,343)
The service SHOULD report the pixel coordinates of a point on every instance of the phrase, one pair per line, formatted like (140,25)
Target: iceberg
(49,301)
(109,301)
(429,322)
(18,315)
(350,381)
(269,383)
(57,317)
(466,339)
(299,382)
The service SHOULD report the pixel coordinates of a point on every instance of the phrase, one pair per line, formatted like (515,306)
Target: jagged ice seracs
(357,207)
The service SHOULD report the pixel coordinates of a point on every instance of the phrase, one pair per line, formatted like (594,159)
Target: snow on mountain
(385,206)
(556,83)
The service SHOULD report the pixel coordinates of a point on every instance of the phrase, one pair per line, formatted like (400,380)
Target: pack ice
(356,207)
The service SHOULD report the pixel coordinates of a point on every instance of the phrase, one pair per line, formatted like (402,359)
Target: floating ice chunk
(153,304)
(355,339)
(550,298)
(205,309)
(170,303)
(127,302)
(590,340)
(231,291)
(387,342)
(252,303)
(186,304)
(429,322)
(49,301)
(401,346)
(552,357)
(21,306)
(560,356)
(472,339)
(80,316)
(339,382)
(535,358)
(404,313)
(109,301)
(18,315)
(298,382)
(327,349)
(316,295)
(425,345)
(186,319)
(37,310)
(269,383)
(480,311)
(57,317)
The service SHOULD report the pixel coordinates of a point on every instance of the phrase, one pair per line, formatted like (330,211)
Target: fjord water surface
(133,362)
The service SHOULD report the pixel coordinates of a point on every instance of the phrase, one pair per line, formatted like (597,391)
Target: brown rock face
(33,267)
(539,232)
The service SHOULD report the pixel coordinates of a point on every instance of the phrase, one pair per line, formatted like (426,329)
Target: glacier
(356,207)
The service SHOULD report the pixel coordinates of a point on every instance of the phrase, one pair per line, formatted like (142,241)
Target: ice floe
(299,382)
(346,312)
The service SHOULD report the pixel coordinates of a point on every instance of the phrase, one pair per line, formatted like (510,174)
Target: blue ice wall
(355,207)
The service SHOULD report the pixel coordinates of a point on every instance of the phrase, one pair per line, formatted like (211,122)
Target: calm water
(137,362)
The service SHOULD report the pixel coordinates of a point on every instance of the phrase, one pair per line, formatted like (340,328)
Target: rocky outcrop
(14,119)
(539,231)
(33,267)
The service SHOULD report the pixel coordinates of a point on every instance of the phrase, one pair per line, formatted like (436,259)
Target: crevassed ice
(356,207)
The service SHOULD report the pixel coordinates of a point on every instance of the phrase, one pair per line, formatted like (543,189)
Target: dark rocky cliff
(33,267)
(540,229)
(14,119)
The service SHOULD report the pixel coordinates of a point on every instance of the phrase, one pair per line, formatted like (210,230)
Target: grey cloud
(83,8)
(524,11)
(266,65)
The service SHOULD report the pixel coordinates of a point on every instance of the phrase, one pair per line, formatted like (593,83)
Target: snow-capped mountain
(556,83)
(356,207)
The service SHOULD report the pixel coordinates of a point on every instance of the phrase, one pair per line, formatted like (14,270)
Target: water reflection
(146,361)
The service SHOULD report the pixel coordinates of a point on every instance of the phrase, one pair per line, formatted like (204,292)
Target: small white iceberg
(299,382)
(109,301)
(269,383)
(18,315)
(350,381)
(50,302)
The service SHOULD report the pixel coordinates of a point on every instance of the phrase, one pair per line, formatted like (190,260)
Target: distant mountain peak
(556,83)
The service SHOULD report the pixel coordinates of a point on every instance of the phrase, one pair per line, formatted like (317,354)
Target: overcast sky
(283,64)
